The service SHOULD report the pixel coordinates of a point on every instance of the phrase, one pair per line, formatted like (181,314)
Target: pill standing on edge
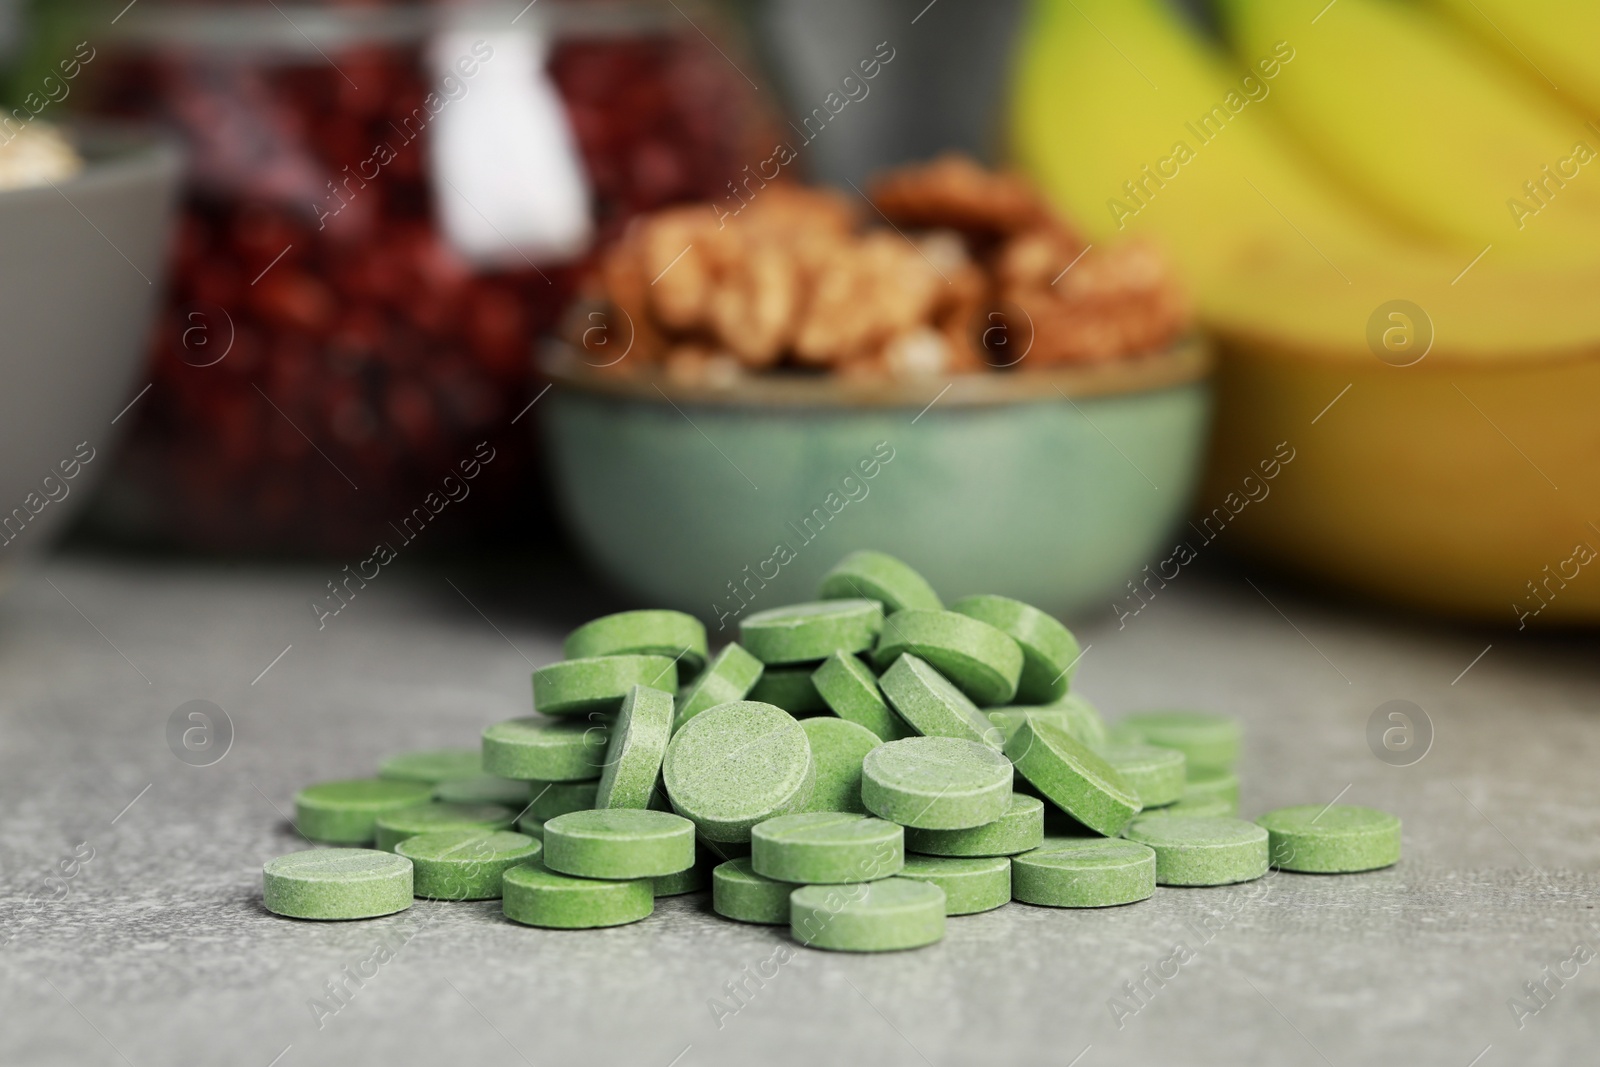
(806,633)
(1019,829)
(395,826)
(971,883)
(1156,774)
(598,684)
(1084,872)
(925,699)
(464,864)
(896,913)
(1205,739)
(936,783)
(1331,838)
(1049,651)
(619,843)
(850,690)
(432,765)
(826,848)
(534,895)
(632,774)
(1202,851)
(738,892)
(336,883)
(985,663)
(729,677)
(736,765)
(837,749)
(878,576)
(534,748)
(346,812)
(672,634)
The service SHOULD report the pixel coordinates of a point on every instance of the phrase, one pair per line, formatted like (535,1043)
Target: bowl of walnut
(938,367)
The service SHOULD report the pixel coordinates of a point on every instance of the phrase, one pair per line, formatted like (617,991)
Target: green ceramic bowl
(1051,487)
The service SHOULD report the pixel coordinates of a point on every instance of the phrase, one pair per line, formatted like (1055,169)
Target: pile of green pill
(857,769)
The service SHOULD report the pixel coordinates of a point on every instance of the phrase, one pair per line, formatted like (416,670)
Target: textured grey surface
(157,950)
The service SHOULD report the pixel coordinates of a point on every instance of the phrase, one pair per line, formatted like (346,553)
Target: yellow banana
(1550,41)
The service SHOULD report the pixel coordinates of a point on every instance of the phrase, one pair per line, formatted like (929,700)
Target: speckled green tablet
(1210,782)
(738,892)
(936,783)
(729,677)
(878,576)
(736,765)
(619,843)
(791,689)
(1021,828)
(551,799)
(1191,851)
(464,864)
(639,737)
(1206,739)
(1156,774)
(1072,712)
(1049,651)
(1332,839)
(346,812)
(689,880)
(336,883)
(932,706)
(837,749)
(826,848)
(983,661)
(395,826)
(598,684)
(896,913)
(1084,872)
(484,789)
(671,634)
(546,750)
(805,633)
(432,765)
(535,895)
(850,690)
(971,884)
(1072,776)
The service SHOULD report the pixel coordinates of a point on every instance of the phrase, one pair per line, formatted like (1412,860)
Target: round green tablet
(971,884)
(736,765)
(1190,851)
(689,880)
(895,913)
(1201,806)
(1211,782)
(483,789)
(1072,712)
(433,765)
(346,812)
(336,883)
(1332,839)
(598,684)
(826,848)
(791,689)
(545,750)
(983,661)
(850,690)
(1156,774)
(729,677)
(639,739)
(738,892)
(395,826)
(671,634)
(878,576)
(464,864)
(532,826)
(936,783)
(1049,651)
(837,749)
(1207,740)
(535,895)
(619,843)
(1084,872)
(1072,776)
(933,707)
(1021,828)
(805,633)
(550,799)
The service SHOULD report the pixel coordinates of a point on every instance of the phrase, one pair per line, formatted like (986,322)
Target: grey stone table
(133,931)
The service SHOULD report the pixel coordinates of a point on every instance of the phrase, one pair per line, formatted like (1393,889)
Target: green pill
(1156,774)
(925,698)
(464,864)
(1072,776)
(877,576)
(1206,739)
(346,812)
(532,826)
(534,895)
(739,893)
(336,883)
(1021,828)
(432,766)
(805,633)
(1049,651)
(729,677)
(395,826)
(598,684)
(689,880)
(1211,782)
(1201,807)
(791,689)
(826,848)
(545,750)
(837,749)
(936,783)
(551,799)
(1072,713)
(1084,872)
(619,843)
(896,913)
(1192,851)
(983,661)
(970,884)
(736,765)
(850,690)
(483,789)
(1331,839)
(638,744)
(671,634)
